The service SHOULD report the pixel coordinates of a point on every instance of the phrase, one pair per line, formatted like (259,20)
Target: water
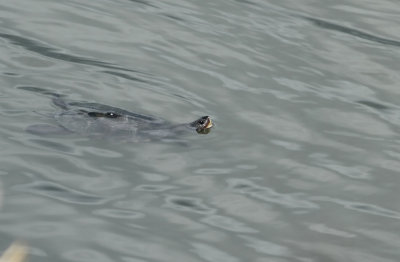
(302,164)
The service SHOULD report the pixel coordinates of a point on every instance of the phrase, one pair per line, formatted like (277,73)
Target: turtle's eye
(202,121)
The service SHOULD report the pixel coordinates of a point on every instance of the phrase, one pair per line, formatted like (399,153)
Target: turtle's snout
(203,125)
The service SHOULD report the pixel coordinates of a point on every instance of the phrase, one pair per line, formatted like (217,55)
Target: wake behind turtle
(103,121)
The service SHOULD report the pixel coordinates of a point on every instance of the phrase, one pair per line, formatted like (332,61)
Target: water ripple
(154,188)
(60,192)
(266,247)
(351,31)
(228,224)
(85,255)
(290,200)
(40,48)
(188,204)
(361,207)
(118,213)
(212,254)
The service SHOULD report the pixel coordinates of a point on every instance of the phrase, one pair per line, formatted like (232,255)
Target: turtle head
(203,125)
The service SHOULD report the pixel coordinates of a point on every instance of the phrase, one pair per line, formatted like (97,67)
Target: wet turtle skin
(98,120)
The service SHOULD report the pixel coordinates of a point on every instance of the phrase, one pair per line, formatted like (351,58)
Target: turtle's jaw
(209,123)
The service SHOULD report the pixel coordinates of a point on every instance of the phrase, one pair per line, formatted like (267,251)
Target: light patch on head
(209,123)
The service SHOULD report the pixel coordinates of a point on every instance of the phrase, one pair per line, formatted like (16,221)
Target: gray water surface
(303,162)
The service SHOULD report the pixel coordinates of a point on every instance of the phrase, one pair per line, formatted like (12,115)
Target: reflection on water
(302,164)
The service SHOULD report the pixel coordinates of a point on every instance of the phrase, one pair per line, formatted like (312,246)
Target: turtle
(103,121)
